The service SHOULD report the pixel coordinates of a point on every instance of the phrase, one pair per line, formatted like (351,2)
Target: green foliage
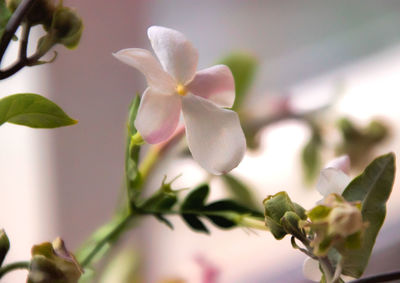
(240,191)
(4,245)
(223,213)
(311,157)
(372,188)
(34,111)
(132,174)
(5,15)
(358,142)
(243,67)
(276,206)
(66,27)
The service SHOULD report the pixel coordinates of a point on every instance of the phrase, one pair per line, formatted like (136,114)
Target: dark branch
(384,277)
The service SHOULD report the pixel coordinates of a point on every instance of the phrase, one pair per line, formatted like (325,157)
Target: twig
(384,277)
(13,24)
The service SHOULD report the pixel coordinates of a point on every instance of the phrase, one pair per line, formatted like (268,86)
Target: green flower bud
(4,245)
(53,263)
(66,27)
(275,208)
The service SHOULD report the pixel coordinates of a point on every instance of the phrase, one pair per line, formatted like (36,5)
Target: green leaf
(34,111)
(164,220)
(5,15)
(372,188)
(196,198)
(311,159)
(4,245)
(243,66)
(240,192)
(195,223)
(232,206)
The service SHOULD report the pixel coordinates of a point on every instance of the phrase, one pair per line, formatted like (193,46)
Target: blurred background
(311,55)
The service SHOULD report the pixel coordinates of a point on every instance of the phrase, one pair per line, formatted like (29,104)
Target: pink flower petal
(331,181)
(216,84)
(342,163)
(214,135)
(176,54)
(146,63)
(158,116)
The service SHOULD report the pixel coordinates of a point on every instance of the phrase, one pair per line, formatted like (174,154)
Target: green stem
(13,266)
(110,237)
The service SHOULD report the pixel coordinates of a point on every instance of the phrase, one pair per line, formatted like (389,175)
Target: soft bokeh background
(66,181)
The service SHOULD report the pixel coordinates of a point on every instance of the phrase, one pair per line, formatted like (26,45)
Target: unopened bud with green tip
(52,262)
(276,206)
(4,245)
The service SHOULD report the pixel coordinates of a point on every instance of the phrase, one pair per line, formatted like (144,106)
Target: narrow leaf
(230,205)
(195,223)
(221,222)
(5,15)
(34,111)
(243,67)
(164,220)
(372,188)
(240,191)
(196,198)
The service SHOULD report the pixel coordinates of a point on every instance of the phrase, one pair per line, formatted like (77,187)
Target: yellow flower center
(181,89)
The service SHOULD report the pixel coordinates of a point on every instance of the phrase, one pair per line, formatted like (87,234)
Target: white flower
(333,179)
(214,135)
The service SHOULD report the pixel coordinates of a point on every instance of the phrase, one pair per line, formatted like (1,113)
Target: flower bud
(52,262)
(66,27)
(275,208)
(4,245)
(345,220)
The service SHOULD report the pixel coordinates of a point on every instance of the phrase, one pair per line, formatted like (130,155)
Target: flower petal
(341,163)
(216,84)
(332,181)
(214,135)
(311,270)
(176,54)
(146,63)
(158,116)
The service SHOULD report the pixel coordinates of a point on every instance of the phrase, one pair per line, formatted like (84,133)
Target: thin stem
(13,266)
(111,236)
(327,268)
(23,46)
(384,277)
(13,24)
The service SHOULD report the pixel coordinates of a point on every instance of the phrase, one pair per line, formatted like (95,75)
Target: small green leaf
(34,111)
(372,188)
(195,223)
(240,192)
(243,67)
(311,159)
(164,220)
(221,221)
(196,198)
(4,245)
(232,206)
